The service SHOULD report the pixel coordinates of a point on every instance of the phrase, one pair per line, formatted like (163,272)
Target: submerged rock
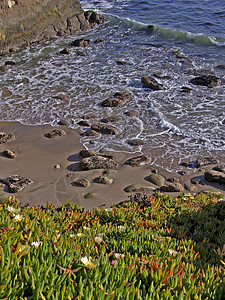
(135,142)
(206,80)
(104,129)
(6,137)
(215,176)
(119,99)
(98,162)
(81,42)
(65,51)
(152,83)
(16,183)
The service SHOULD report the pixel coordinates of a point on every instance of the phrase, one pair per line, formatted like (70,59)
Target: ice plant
(88,262)
(171,251)
(119,255)
(18,218)
(80,234)
(36,244)
(98,239)
(12,209)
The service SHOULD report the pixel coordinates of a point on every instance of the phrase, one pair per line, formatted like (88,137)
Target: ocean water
(173,125)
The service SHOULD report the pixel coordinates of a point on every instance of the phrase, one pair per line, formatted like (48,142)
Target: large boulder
(156,179)
(206,80)
(215,176)
(28,21)
(16,183)
(98,162)
(172,187)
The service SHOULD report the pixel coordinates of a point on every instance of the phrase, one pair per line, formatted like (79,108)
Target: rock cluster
(6,137)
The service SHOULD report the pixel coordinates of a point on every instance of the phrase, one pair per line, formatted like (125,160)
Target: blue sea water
(173,125)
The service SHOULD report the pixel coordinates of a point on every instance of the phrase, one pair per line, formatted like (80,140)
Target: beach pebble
(6,137)
(82,182)
(104,179)
(61,97)
(16,183)
(156,179)
(104,129)
(219,168)
(173,179)
(55,132)
(152,83)
(3,68)
(172,187)
(9,154)
(185,89)
(137,161)
(98,162)
(117,100)
(57,167)
(121,62)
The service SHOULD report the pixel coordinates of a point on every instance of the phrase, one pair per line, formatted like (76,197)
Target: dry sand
(37,156)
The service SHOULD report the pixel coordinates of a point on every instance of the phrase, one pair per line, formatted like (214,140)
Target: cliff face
(23,22)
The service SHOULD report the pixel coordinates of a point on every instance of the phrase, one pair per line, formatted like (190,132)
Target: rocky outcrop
(16,183)
(24,22)
(97,162)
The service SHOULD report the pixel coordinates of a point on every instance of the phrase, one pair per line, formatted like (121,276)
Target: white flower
(221,200)
(98,239)
(12,209)
(119,255)
(108,209)
(18,218)
(80,234)
(121,228)
(171,251)
(88,262)
(36,244)
(86,228)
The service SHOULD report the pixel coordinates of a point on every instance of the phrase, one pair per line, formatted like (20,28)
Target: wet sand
(37,155)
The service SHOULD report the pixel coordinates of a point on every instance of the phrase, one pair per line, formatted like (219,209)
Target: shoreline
(38,155)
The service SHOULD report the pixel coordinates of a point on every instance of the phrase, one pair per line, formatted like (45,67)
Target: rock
(104,179)
(135,188)
(3,68)
(137,161)
(215,176)
(156,179)
(82,182)
(104,129)
(81,42)
(80,53)
(159,75)
(182,173)
(119,99)
(9,154)
(155,171)
(55,132)
(206,161)
(206,80)
(172,187)
(219,168)
(64,122)
(173,179)
(152,83)
(181,55)
(111,119)
(88,195)
(87,153)
(93,18)
(185,89)
(16,183)
(10,63)
(65,51)
(135,142)
(190,187)
(99,40)
(6,137)
(89,133)
(84,123)
(57,167)
(221,67)
(121,62)
(131,113)
(98,162)
(196,180)
(62,97)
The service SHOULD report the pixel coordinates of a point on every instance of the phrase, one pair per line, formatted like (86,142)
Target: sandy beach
(38,155)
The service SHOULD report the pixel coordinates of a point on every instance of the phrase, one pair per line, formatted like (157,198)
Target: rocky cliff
(23,22)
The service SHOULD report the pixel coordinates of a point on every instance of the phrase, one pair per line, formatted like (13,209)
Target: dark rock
(65,51)
(112,119)
(223,122)
(99,40)
(196,180)
(89,133)
(135,142)
(160,76)
(181,55)
(221,67)
(104,129)
(88,153)
(219,168)
(206,161)
(94,18)
(185,89)
(6,137)
(104,179)
(3,68)
(150,29)
(173,179)
(64,122)
(140,198)
(81,42)
(131,113)
(134,188)
(119,99)
(206,80)
(185,163)
(137,161)
(55,132)
(84,123)
(154,171)
(10,63)
(156,179)
(97,162)
(82,182)
(172,187)
(152,83)
(9,154)
(182,173)
(215,176)
(16,183)
(61,97)
(121,62)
